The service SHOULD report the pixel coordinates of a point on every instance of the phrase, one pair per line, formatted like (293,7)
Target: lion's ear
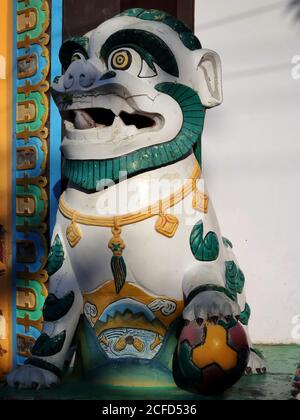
(209,78)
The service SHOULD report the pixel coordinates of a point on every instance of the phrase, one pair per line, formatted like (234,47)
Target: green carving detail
(153,15)
(149,46)
(227,243)
(67,99)
(41,111)
(34,192)
(134,12)
(209,288)
(245,315)
(56,256)
(188,369)
(83,41)
(119,269)
(42,19)
(46,346)
(186,35)
(204,249)
(90,174)
(40,295)
(32,361)
(55,308)
(109,75)
(240,282)
(231,274)
(235,279)
(190,41)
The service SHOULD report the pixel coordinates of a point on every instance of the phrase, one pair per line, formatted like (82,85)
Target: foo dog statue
(138,265)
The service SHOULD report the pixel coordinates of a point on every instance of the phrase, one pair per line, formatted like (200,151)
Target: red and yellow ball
(212,357)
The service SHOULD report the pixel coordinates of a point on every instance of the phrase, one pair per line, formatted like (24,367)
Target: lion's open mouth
(84,119)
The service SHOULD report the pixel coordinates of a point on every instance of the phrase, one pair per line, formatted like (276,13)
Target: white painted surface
(2,68)
(252,153)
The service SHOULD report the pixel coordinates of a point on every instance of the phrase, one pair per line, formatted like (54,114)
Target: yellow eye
(121,60)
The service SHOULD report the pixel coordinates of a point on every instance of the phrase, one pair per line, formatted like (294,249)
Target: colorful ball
(212,357)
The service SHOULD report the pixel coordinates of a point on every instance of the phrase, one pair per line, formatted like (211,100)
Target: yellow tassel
(118,265)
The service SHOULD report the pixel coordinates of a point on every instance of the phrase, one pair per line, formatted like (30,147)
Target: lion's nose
(80,75)
(85,80)
(68,80)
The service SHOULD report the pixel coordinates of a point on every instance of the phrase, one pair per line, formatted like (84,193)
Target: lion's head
(133,96)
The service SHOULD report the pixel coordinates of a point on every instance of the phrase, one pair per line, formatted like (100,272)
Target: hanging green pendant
(118,265)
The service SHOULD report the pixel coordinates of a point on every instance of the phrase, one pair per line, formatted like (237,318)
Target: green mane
(185,33)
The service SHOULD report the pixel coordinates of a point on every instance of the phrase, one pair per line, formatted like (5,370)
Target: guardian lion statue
(137,255)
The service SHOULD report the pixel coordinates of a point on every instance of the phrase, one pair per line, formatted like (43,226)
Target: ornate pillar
(6,338)
(31,152)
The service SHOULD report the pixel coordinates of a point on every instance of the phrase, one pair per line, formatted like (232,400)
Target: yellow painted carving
(74,234)
(24,343)
(128,219)
(200,202)
(25,206)
(26,112)
(26,299)
(27,66)
(104,340)
(27,323)
(138,345)
(157,341)
(167,225)
(116,244)
(106,295)
(123,342)
(215,350)
(26,158)
(120,344)
(26,20)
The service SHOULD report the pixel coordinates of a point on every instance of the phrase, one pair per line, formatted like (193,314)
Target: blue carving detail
(37,171)
(37,50)
(41,252)
(30,332)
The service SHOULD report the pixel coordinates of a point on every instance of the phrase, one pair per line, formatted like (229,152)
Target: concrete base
(276,385)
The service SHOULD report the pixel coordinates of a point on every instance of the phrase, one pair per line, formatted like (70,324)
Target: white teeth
(118,123)
(83,120)
(119,129)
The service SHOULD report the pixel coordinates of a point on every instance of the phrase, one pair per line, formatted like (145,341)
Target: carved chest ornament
(166,224)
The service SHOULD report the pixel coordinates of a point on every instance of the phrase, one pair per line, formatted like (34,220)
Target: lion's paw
(31,377)
(256,364)
(209,306)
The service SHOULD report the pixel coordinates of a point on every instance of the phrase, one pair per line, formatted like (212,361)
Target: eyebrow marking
(70,47)
(152,48)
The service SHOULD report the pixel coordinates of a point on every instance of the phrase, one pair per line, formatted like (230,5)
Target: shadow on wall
(294,5)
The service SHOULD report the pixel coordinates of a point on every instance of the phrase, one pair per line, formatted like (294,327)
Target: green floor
(276,385)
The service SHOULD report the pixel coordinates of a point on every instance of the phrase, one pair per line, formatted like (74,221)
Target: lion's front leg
(213,348)
(61,316)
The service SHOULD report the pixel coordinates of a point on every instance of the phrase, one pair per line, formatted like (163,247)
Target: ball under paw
(212,358)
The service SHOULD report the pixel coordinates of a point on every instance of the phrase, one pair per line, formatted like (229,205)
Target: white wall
(252,153)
